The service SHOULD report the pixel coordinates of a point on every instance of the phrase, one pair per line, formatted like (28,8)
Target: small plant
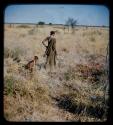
(8,85)
(65,50)
(7,52)
(70,74)
(66,76)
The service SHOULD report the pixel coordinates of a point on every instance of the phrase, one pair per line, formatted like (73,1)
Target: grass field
(78,91)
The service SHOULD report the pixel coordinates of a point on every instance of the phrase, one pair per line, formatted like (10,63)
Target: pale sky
(95,15)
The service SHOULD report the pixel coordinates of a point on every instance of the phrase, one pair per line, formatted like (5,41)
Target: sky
(96,15)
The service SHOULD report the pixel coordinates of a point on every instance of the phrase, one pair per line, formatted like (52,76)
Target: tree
(41,23)
(50,23)
(71,22)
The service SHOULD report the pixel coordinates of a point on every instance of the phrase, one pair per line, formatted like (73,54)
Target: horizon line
(57,24)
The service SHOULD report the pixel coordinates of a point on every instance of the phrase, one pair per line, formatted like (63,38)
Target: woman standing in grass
(50,52)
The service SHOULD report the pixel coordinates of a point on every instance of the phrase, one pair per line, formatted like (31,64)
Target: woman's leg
(47,62)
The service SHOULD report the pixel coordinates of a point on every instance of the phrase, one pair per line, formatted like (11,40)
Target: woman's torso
(51,45)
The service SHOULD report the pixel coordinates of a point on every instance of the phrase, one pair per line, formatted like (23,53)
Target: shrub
(9,85)
(66,76)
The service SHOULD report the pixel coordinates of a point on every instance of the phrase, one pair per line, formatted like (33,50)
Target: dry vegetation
(76,92)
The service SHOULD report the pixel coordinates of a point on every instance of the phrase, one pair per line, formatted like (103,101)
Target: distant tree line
(42,23)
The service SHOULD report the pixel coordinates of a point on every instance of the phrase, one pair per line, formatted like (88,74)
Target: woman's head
(52,33)
(35,58)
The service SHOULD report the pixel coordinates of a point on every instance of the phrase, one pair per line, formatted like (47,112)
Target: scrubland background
(78,91)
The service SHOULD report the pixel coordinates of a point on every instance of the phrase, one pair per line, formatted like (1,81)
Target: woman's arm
(43,42)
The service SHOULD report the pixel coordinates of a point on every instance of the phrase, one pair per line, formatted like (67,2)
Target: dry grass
(76,92)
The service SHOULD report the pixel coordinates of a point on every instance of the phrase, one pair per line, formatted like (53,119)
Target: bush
(9,85)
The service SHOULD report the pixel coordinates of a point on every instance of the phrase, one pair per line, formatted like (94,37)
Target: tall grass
(15,53)
(25,94)
(78,84)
